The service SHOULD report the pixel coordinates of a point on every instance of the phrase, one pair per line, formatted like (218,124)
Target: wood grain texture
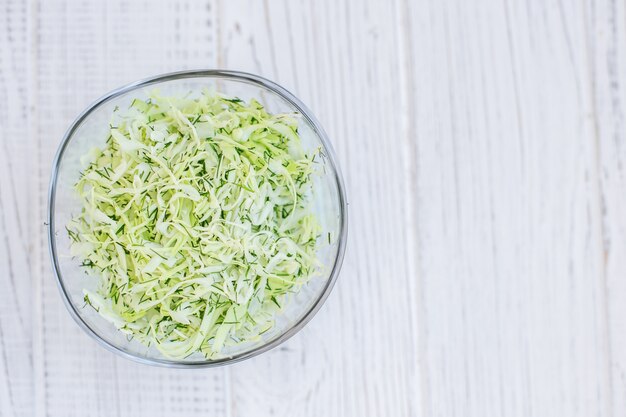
(85,49)
(509,223)
(483,150)
(606,35)
(16,215)
(357,357)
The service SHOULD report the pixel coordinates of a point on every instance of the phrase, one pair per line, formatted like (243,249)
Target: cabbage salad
(196,221)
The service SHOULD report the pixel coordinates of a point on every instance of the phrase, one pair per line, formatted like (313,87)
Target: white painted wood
(84,49)
(483,152)
(357,357)
(606,32)
(17,217)
(509,222)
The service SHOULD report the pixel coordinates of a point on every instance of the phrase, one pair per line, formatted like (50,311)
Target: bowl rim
(171,76)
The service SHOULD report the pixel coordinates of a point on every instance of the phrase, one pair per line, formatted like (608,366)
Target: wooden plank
(606,32)
(357,357)
(510,267)
(17,221)
(85,49)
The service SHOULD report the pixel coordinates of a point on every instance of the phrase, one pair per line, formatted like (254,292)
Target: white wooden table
(483,145)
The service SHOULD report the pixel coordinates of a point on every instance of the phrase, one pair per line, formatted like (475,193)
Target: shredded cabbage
(196,220)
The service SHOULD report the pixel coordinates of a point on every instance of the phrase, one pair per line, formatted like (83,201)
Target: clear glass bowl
(91,129)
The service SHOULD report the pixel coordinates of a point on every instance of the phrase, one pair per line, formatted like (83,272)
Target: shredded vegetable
(196,220)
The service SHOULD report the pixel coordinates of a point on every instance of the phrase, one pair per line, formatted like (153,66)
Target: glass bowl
(91,129)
